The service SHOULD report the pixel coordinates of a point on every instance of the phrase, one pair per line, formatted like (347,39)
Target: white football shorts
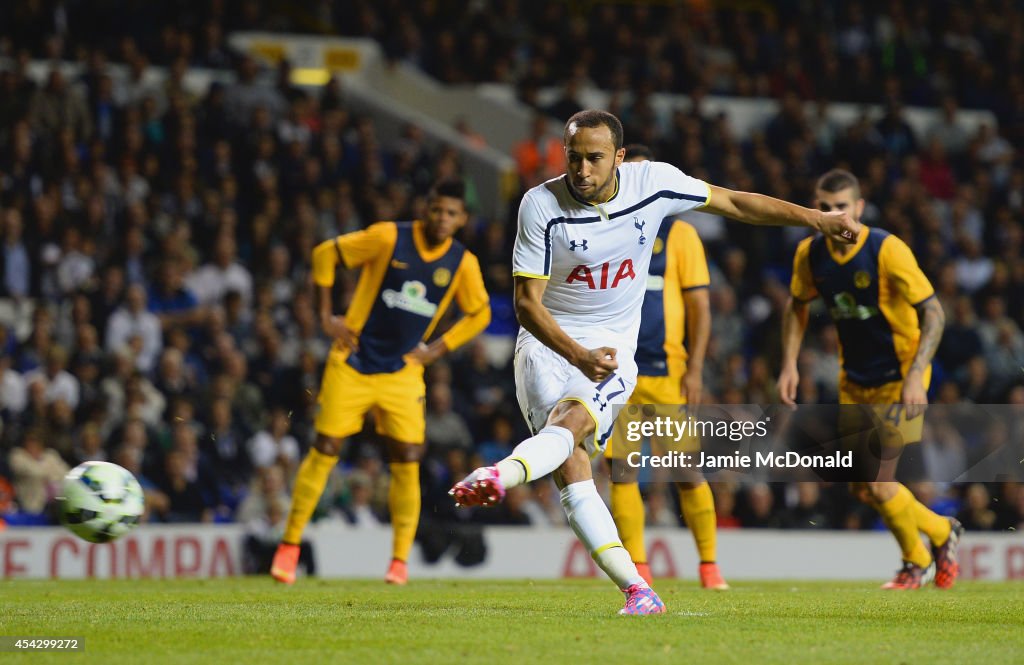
(544,378)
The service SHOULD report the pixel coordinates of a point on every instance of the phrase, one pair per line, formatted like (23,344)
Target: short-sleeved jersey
(597,256)
(871,293)
(678,264)
(403,291)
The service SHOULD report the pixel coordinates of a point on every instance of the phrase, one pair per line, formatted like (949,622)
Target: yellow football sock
(898,515)
(628,512)
(309,485)
(699,512)
(933,525)
(404,504)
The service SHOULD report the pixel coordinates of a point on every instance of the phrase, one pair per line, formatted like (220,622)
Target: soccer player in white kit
(580,264)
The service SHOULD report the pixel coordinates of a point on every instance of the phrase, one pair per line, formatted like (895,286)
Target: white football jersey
(597,256)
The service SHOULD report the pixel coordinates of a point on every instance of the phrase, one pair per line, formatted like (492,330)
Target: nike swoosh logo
(399,265)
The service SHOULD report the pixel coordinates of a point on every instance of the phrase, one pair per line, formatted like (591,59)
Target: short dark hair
(451,187)
(639,151)
(595,118)
(837,180)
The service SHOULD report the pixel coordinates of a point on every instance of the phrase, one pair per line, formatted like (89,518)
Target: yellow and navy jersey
(678,264)
(403,291)
(871,293)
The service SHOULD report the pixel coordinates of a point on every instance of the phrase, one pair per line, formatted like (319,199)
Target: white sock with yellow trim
(594,526)
(537,456)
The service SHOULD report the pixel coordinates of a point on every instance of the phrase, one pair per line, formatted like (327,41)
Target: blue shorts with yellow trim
(661,395)
(396,399)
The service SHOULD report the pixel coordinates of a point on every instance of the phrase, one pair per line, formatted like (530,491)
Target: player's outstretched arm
(762,210)
(794,323)
(596,364)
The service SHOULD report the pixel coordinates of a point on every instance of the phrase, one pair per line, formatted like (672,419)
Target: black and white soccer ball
(100,501)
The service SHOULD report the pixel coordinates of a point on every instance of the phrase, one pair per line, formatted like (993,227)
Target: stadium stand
(155,244)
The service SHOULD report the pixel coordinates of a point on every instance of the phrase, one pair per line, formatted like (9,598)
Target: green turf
(248,620)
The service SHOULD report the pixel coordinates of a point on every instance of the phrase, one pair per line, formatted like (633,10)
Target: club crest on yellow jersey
(442,277)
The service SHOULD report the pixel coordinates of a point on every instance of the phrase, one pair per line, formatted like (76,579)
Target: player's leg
(943,533)
(534,458)
(541,376)
(589,516)
(902,461)
(344,398)
(626,502)
(698,506)
(401,424)
(310,481)
(628,513)
(871,415)
(894,503)
(404,500)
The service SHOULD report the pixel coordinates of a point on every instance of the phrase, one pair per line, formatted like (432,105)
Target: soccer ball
(100,501)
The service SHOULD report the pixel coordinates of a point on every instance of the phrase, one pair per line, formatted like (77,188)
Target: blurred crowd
(155,308)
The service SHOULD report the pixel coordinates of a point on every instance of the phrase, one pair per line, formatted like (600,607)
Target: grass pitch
(252,620)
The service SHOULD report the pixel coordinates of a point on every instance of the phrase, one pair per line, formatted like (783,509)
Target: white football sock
(537,456)
(594,526)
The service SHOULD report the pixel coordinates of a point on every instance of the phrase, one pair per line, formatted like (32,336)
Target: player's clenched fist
(597,364)
(840,226)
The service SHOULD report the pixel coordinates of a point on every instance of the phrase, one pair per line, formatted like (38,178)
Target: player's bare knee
(328,445)
(574,417)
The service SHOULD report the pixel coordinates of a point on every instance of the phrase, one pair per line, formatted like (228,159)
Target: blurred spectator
(976,514)
(358,508)
(274,445)
(57,383)
(15,259)
(214,280)
(759,511)
(174,304)
(13,390)
(134,327)
(185,500)
(55,108)
(501,442)
(267,491)
(224,446)
(808,510)
(445,428)
(36,472)
(89,447)
(539,156)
